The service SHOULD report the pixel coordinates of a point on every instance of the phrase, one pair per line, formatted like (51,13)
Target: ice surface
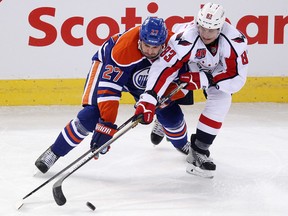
(137,178)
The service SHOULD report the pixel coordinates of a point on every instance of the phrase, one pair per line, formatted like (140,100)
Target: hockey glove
(103,132)
(197,80)
(146,107)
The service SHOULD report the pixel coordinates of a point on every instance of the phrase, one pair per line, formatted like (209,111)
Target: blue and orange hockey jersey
(117,66)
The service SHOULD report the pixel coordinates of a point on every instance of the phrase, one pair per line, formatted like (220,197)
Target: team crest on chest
(140,78)
(200,53)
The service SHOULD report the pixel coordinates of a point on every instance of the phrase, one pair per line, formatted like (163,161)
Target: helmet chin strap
(160,51)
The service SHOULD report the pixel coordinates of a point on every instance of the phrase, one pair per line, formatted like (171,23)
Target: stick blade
(19,204)
(58,193)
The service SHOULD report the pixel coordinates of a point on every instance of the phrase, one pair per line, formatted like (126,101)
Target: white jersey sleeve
(180,27)
(234,60)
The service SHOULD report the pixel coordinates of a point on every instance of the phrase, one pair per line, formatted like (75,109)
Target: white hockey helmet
(211,16)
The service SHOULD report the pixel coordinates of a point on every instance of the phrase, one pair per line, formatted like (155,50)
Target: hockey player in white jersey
(216,53)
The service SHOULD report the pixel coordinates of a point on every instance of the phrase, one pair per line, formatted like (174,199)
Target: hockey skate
(200,164)
(157,133)
(185,148)
(46,160)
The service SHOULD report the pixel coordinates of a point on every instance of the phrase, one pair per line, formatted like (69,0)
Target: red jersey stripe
(231,70)
(211,123)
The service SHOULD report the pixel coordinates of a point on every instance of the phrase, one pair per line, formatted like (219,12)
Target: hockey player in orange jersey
(121,64)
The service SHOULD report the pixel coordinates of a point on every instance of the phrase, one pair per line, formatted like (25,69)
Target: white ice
(136,178)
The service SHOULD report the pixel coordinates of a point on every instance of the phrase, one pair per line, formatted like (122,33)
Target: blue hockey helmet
(153,31)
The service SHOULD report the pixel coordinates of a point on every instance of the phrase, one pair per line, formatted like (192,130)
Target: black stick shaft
(71,164)
(58,194)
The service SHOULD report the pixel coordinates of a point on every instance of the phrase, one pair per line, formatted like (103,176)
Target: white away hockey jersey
(228,65)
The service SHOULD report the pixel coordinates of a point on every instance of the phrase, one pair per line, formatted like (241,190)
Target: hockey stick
(20,204)
(57,187)
(58,194)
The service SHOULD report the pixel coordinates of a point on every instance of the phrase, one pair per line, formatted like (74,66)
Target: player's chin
(207,41)
(151,56)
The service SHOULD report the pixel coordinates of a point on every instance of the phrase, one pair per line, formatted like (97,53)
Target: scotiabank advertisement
(56,38)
